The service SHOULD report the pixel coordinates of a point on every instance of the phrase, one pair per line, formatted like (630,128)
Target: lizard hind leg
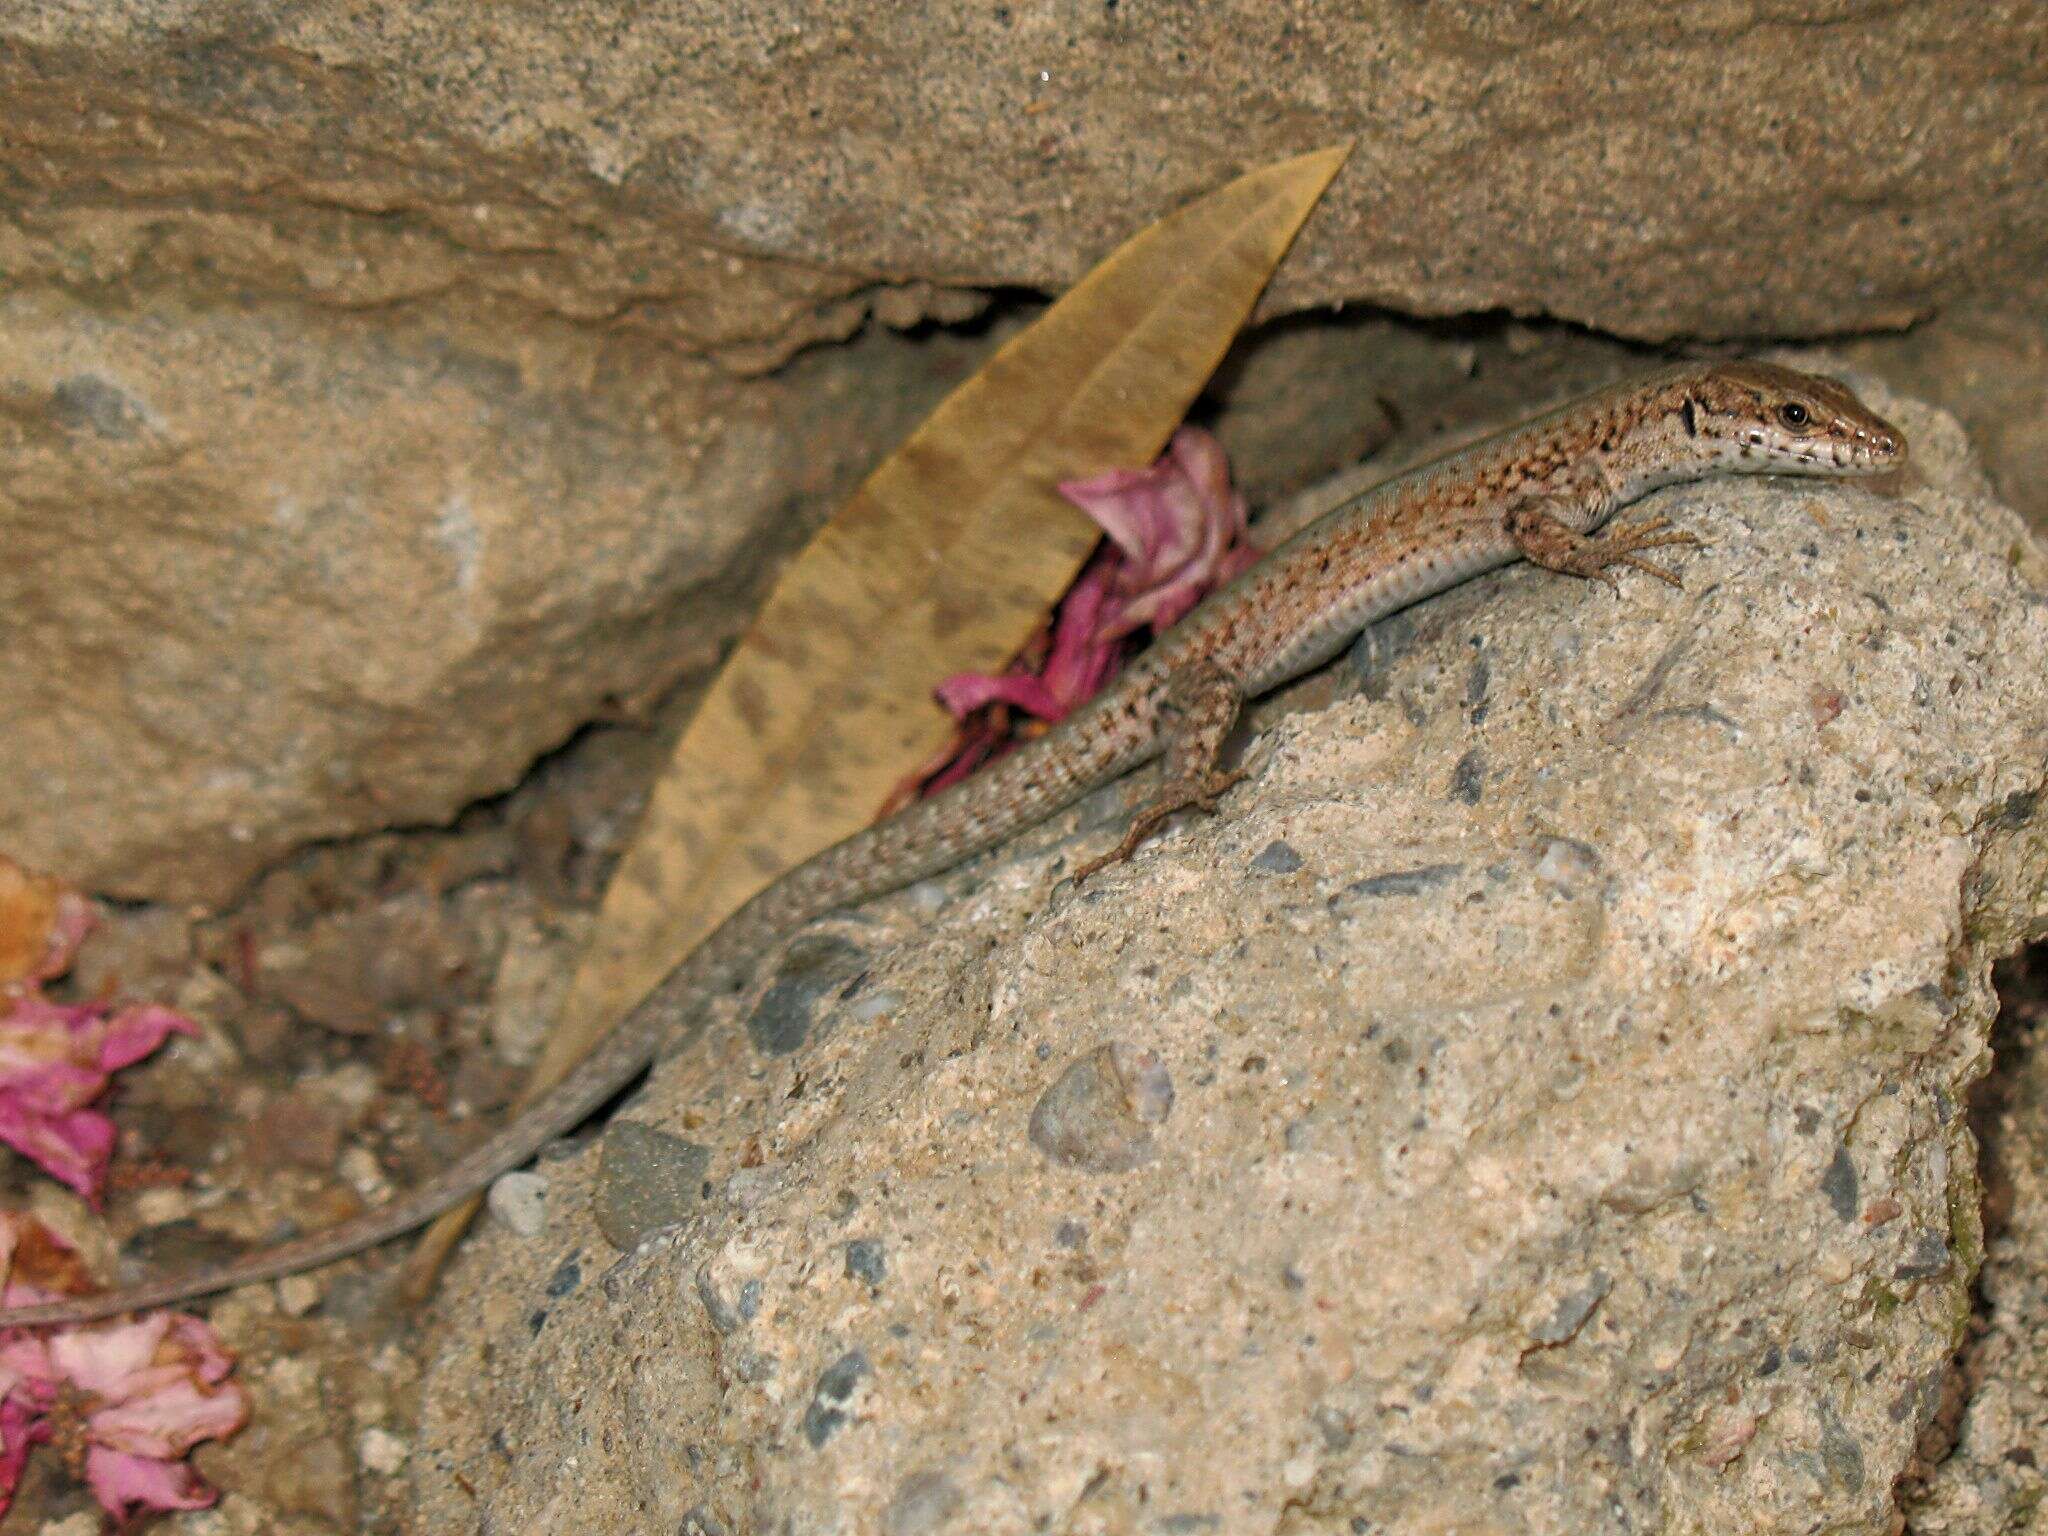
(1204,701)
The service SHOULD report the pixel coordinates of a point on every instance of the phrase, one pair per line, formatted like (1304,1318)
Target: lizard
(1541,491)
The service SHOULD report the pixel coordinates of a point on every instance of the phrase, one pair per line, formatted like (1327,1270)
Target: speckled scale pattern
(1420,533)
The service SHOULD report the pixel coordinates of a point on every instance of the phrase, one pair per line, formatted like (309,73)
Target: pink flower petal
(135,1032)
(168,1422)
(125,1483)
(103,1360)
(55,1059)
(73,921)
(1175,533)
(965,692)
(73,1147)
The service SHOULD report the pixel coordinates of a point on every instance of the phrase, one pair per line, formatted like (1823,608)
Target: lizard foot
(1187,795)
(1551,544)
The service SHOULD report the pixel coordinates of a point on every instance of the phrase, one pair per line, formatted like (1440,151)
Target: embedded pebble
(360,1168)
(1839,1184)
(520,1201)
(1099,1113)
(1276,858)
(813,968)
(299,1294)
(382,1452)
(646,1180)
(1572,1310)
(923,1500)
(833,1396)
(883,1000)
(865,1261)
(159,1207)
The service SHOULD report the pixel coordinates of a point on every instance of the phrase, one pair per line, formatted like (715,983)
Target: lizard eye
(1793,414)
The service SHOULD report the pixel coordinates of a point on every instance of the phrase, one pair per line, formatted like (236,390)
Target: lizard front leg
(1204,701)
(1547,540)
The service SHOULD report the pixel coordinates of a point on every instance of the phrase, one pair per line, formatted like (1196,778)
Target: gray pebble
(1929,1257)
(1468,779)
(1402,882)
(812,969)
(833,1396)
(1572,1310)
(865,1261)
(1098,1115)
(1839,1184)
(1374,653)
(646,1180)
(1276,858)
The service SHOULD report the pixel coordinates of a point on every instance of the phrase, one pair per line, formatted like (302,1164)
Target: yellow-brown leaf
(944,561)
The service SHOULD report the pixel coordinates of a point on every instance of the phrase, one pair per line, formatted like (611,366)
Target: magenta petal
(124,1483)
(73,1148)
(134,1032)
(208,1358)
(965,692)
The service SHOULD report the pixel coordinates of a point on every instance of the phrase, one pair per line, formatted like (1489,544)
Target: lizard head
(1764,419)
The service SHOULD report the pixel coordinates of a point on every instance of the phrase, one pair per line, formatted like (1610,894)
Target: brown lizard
(1536,492)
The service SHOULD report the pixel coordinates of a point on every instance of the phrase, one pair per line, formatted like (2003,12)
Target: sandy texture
(1536,1106)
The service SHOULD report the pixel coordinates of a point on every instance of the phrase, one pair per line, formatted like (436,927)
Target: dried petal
(1175,532)
(55,1059)
(156,1388)
(41,923)
(125,1483)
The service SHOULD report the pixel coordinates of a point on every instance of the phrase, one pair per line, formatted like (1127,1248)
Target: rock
(520,1201)
(751,186)
(299,1130)
(1099,1113)
(647,1180)
(1502,1185)
(388,413)
(812,973)
(354,576)
(1984,1462)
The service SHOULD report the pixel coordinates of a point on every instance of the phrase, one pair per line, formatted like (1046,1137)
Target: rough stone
(1496,1200)
(349,576)
(371,416)
(765,180)
(1985,1463)
(647,1180)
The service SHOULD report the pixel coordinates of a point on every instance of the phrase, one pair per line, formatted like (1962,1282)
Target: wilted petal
(124,1483)
(73,921)
(134,1032)
(1173,524)
(965,692)
(73,1147)
(1174,532)
(169,1421)
(105,1360)
(55,1059)
(1074,667)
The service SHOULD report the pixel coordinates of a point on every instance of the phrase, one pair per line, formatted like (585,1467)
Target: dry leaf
(944,561)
